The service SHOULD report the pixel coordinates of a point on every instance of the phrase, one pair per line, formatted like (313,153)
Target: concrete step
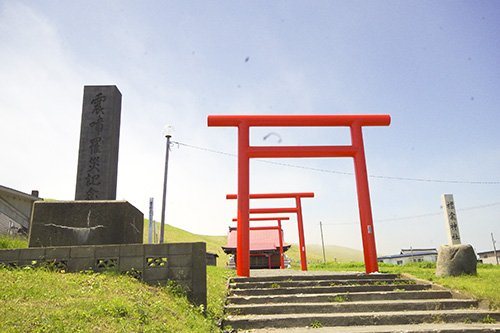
(344,307)
(317,283)
(342,302)
(251,322)
(335,276)
(333,297)
(326,289)
(417,328)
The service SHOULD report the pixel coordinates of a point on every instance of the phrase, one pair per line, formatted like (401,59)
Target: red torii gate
(278,227)
(297,209)
(355,150)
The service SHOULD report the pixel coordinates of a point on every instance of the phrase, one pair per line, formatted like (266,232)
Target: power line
(346,173)
(421,215)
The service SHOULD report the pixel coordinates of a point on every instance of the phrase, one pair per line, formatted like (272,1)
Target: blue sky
(432,65)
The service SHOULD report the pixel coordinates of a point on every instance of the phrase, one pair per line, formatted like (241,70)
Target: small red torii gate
(278,227)
(355,150)
(297,210)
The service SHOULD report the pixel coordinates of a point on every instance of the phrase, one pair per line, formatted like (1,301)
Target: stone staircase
(350,302)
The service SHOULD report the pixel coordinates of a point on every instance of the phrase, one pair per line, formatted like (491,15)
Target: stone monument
(96,232)
(99,142)
(455,258)
(94,218)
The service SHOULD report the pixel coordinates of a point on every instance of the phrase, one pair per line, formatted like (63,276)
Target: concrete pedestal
(85,222)
(454,260)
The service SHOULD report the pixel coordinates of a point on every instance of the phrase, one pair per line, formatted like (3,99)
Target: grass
(37,300)
(217,278)
(40,300)
(483,286)
(13,243)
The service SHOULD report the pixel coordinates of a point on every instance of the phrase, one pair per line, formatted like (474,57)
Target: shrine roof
(260,241)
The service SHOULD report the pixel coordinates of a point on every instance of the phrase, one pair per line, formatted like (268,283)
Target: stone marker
(456,260)
(450,216)
(85,222)
(99,141)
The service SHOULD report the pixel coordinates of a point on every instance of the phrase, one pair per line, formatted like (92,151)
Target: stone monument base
(85,222)
(454,260)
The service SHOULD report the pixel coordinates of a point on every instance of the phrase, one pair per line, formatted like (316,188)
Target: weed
(234,312)
(87,272)
(275,286)
(488,320)
(316,324)
(133,273)
(380,283)
(399,289)
(176,289)
(228,328)
(404,282)
(339,298)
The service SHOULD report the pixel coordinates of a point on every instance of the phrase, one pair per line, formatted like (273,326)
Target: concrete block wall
(155,264)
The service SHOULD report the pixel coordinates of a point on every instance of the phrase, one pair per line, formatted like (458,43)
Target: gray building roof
(15,208)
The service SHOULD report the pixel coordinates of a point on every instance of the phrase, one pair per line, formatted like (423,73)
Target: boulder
(454,260)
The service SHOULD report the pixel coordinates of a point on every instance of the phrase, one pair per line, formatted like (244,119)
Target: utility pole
(322,241)
(151,223)
(168,134)
(494,247)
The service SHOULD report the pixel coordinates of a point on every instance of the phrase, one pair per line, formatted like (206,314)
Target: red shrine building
(264,249)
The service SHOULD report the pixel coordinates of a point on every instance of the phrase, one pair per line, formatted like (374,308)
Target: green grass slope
(176,235)
(314,253)
(45,300)
(37,300)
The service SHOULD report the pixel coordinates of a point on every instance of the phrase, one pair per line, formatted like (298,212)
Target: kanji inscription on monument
(450,216)
(99,142)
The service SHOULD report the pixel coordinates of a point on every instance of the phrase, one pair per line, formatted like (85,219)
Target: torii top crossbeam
(355,150)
